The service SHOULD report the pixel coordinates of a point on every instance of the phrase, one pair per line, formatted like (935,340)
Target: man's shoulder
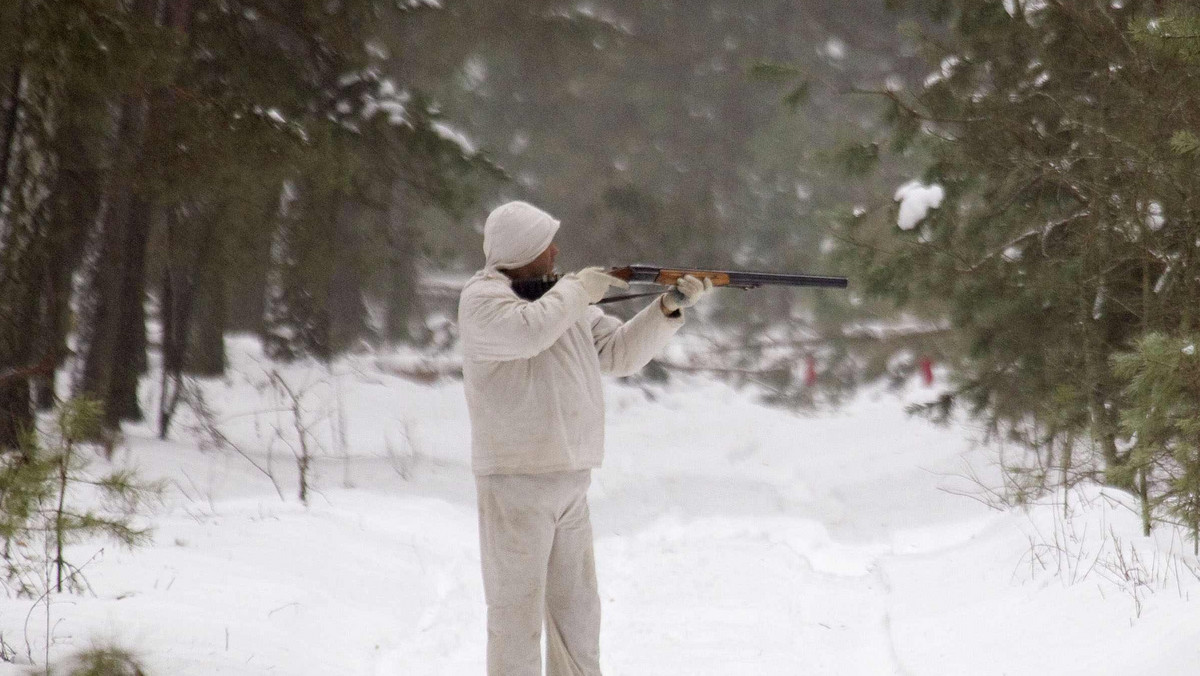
(483,290)
(486,283)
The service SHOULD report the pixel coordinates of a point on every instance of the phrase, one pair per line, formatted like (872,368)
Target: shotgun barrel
(731,278)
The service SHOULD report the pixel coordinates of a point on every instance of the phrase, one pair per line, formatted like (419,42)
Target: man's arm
(625,347)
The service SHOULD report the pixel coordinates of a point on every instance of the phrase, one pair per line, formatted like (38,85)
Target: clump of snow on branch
(1154,216)
(1029,6)
(916,199)
(835,49)
(590,12)
(945,70)
(454,136)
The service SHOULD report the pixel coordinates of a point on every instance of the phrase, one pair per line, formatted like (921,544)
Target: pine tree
(1162,418)
(51,498)
(1058,132)
(61,60)
(313,140)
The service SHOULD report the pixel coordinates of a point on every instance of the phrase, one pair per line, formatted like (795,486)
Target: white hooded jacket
(531,369)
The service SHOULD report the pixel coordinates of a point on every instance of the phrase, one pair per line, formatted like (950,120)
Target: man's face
(544,263)
(538,267)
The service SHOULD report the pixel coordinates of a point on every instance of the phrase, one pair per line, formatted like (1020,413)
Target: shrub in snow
(100,661)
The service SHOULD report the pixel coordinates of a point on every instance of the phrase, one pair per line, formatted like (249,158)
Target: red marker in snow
(927,370)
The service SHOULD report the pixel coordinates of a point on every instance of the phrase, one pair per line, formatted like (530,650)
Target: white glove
(688,290)
(596,282)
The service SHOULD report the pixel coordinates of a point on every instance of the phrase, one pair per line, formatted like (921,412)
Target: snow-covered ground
(732,538)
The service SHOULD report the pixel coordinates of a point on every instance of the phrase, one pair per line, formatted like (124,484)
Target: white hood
(516,233)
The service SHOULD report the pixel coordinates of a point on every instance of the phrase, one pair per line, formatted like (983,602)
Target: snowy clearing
(731,538)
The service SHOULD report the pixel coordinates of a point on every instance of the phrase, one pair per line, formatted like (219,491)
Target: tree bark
(204,347)
(116,349)
(103,314)
(129,358)
(247,291)
(402,303)
(27,172)
(77,205)
(1103,419)
(16,414)
(19,305)
(16,79)
(343,297)
(206,353)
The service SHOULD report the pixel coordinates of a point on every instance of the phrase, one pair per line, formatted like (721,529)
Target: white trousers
(535,539)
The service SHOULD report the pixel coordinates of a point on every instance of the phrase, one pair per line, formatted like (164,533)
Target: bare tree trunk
(1103,418)
(204,344)
(402,304)
(206,354)
(77,204)
(116,346)
(175,303)
(19,307)
(16,415)
(30,171)
(1143,477)
(298,318)
(344,296)
(188,262)
(13,114)
(100,328)
(130,341)
(247,291)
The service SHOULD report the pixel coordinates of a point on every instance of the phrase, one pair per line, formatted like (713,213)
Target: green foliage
(798,96)
(24,486)
(859,159)
(769,71)
(51,498)
(1063,136)
(1162,417)
(239,99)
(1175,33)
(1185,142)
(81,419)
(352,145)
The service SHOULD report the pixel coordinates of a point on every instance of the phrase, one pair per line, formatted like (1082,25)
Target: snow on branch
(1011,249)
(455,136)
(916,199)
(1006,249)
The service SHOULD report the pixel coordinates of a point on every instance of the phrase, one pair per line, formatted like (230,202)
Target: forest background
(309,171)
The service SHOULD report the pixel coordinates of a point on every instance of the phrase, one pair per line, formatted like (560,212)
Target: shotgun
(533,288)
(735,279)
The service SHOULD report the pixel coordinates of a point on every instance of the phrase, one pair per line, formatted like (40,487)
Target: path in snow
(731,536)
